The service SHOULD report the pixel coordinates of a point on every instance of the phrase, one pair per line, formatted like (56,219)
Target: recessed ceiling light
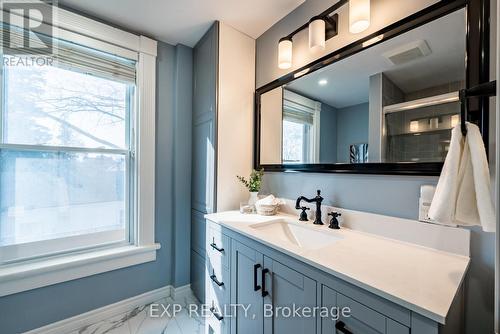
(322,82)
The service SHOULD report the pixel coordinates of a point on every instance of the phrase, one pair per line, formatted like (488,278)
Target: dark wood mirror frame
(477,72)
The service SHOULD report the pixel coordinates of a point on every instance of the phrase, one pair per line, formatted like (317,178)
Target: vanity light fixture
(324,26)
(285,53)
(359,15)
(317,33)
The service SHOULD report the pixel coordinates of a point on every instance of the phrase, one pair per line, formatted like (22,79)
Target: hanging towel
(463,194)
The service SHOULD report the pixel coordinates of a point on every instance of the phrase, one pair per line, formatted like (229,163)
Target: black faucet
(318,199)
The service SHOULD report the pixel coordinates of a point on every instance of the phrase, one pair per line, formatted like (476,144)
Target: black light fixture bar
(331,21)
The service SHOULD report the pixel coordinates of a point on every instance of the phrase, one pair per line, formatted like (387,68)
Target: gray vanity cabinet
(287,287)
(257,276)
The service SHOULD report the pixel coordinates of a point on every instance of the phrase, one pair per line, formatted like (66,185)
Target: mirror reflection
(394,102)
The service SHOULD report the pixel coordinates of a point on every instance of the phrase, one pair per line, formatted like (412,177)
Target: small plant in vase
(253,184)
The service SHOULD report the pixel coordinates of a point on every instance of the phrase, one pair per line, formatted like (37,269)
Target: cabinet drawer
(394,327)
(362,314)
(383,306)
(216,323)
(363,319)
(215,326)
(218,282)
(218,248)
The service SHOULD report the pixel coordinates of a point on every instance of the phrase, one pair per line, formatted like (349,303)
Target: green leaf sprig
(254,183)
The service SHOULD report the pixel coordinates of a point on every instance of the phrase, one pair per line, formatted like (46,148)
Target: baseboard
(88,318)
(181,291)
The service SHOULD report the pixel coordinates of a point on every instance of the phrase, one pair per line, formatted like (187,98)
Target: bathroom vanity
(388,285)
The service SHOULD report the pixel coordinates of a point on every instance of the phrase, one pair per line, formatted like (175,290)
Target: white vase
(253,197)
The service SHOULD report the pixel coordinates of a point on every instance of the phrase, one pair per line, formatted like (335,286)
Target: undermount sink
(302,236)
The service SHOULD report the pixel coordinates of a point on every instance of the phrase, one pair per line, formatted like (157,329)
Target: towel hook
(463,111)
(485,89)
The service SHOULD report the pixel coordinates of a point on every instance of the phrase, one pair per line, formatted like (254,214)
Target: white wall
(271,126)
(234,115)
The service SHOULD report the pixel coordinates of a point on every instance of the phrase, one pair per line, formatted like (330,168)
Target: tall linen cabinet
(223,104)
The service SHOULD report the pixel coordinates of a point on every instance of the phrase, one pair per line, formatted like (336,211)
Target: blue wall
(31,309)
(328,134)
(339,128)
(352,128)
(391,195)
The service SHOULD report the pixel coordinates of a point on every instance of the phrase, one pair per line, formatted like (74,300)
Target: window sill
(26,276)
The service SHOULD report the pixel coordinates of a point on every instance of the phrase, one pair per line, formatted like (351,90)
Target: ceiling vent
(408,52)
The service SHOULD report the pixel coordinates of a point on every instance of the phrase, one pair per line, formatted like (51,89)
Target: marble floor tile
(140,321)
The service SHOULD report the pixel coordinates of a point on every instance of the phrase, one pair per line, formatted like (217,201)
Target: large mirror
(393,102)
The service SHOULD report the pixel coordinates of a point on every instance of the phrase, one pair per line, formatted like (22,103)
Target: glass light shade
(414,126)
(285,54)
(359,15)
(317,30)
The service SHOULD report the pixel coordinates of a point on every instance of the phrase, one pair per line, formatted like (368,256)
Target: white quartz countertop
(421,279)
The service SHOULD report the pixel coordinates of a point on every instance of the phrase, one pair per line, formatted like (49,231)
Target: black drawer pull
(217,315)
(264,292)
(340,326)
(215,280)
(256,287)
(214,246)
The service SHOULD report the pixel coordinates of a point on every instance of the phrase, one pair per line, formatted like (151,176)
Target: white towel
(269,200)
(463,194)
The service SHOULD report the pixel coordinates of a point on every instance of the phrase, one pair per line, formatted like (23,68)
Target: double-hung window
(66,151)
(301,129)
(72,176)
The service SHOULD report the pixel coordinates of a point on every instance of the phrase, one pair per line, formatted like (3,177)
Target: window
(296,139)
(67,162)
(301,129)
(77,157)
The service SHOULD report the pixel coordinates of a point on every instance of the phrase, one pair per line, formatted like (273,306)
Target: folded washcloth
(269,200)
(463,194)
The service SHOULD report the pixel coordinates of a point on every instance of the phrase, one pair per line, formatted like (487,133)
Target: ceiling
(348,80)
(185,21)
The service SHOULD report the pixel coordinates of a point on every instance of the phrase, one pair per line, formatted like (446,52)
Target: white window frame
(22,276)
(312,137)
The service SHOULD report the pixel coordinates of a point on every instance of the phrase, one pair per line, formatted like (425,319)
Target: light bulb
(285,53)
(317,31)
(414,126)
(359,15)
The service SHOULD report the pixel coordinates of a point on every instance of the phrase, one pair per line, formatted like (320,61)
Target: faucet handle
(334,223)
(303,214)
